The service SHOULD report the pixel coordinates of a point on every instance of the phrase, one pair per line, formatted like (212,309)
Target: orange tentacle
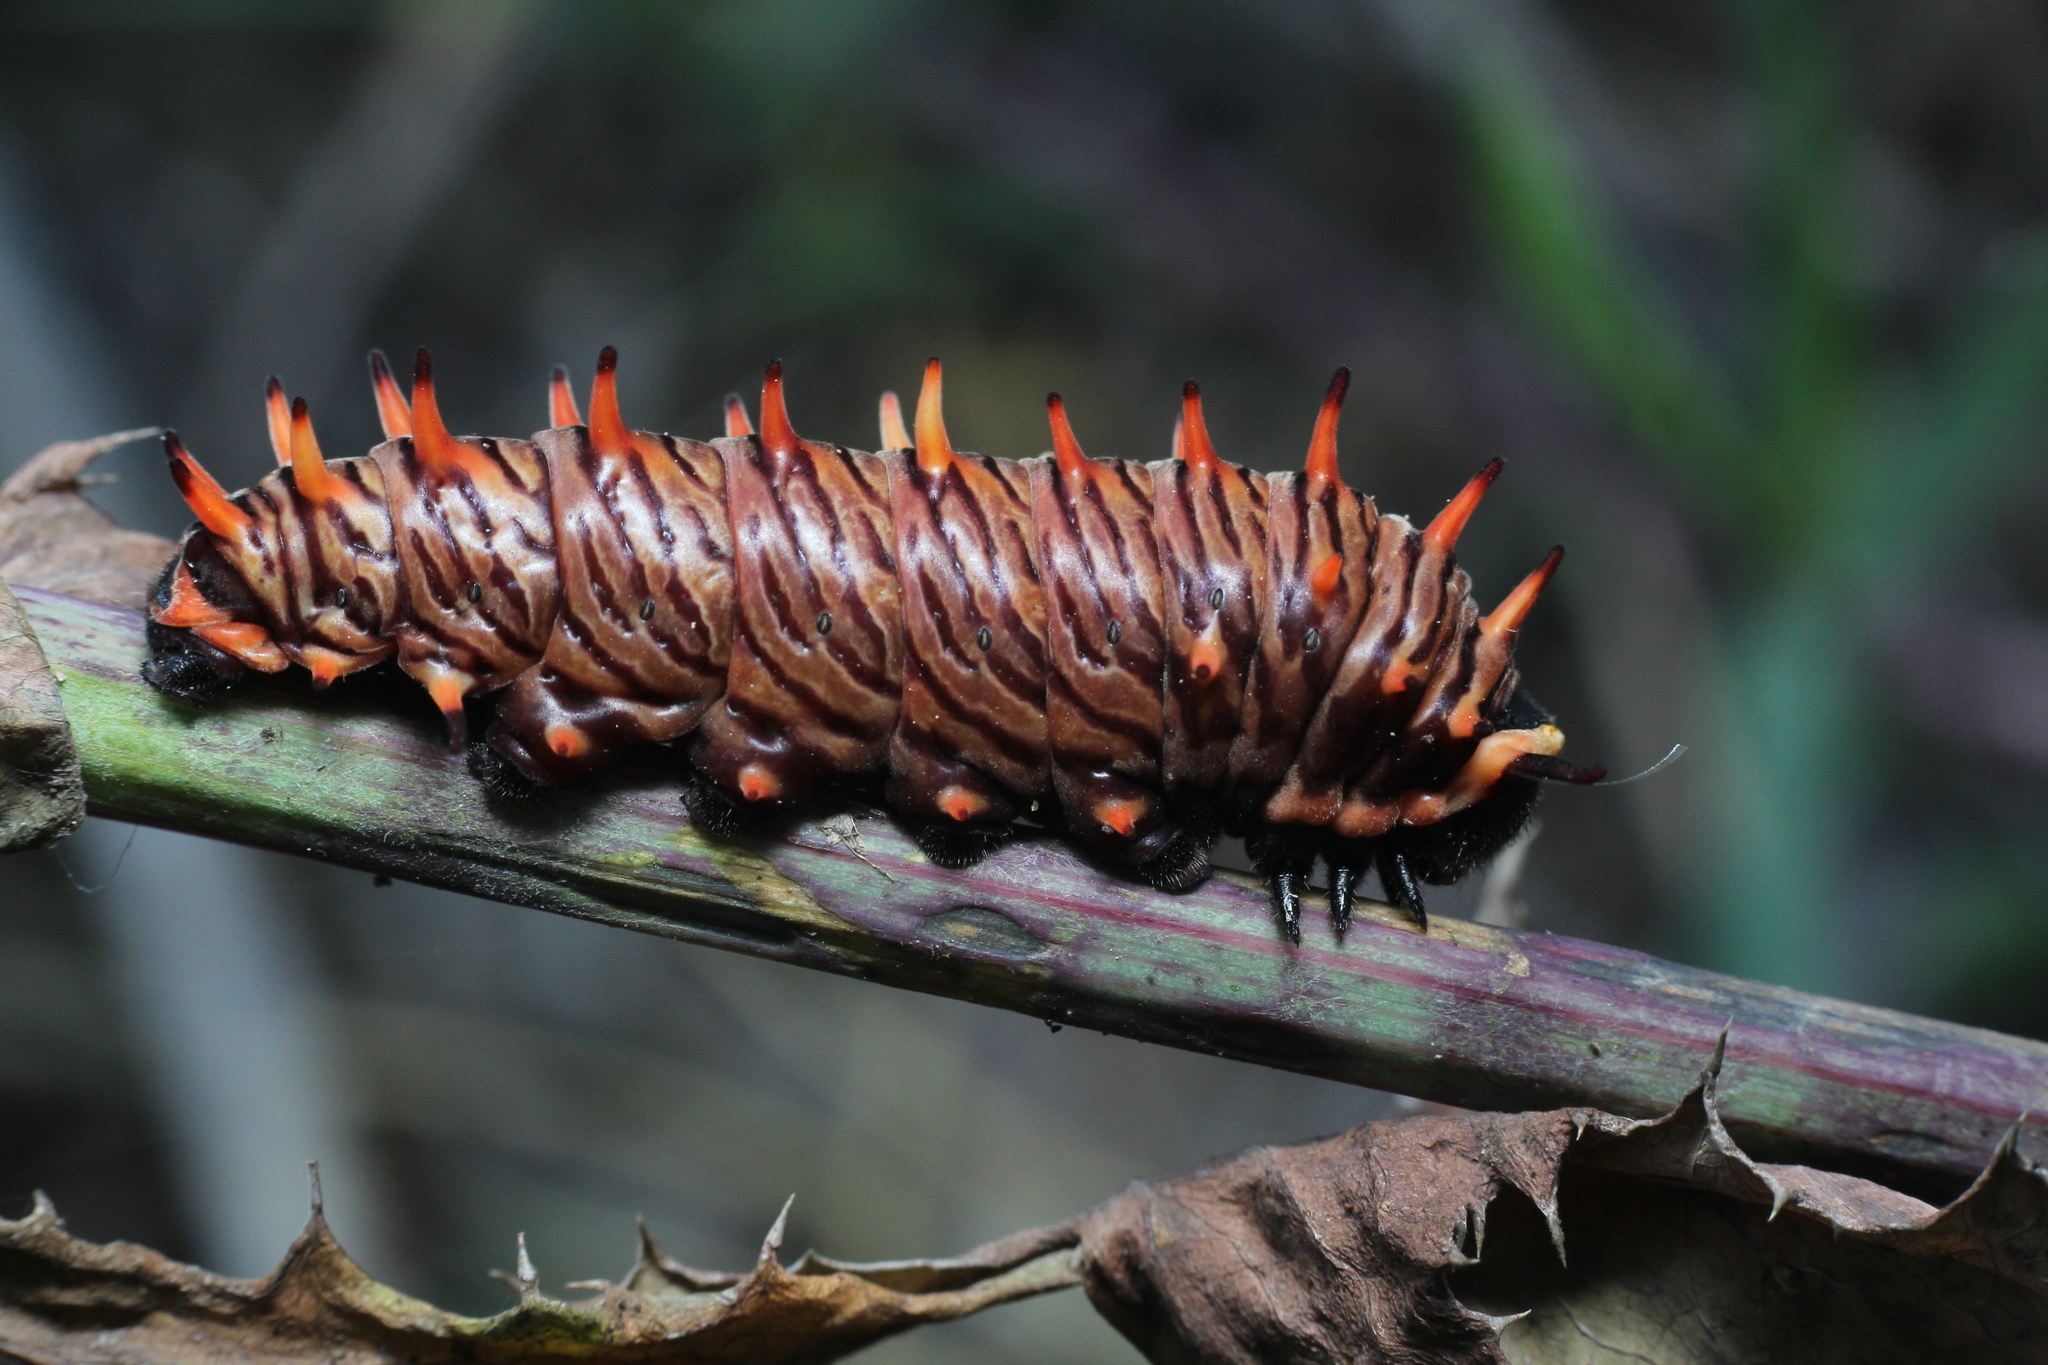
(202,492)
(934,451)
(562,400)
(1507,618)
(777,434)
(609,434)
(1073,462)
(309,469)
(280,415)
(1443,532)
(895,436)
(1192,435)
(392,413)
(1322,447)
(736,421)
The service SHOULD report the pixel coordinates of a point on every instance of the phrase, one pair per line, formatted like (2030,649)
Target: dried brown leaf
(67,1300)
(1569,1236)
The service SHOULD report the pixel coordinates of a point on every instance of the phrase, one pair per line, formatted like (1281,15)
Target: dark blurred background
(1752,296)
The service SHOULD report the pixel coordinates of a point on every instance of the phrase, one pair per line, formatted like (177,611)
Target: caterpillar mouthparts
(1141,656)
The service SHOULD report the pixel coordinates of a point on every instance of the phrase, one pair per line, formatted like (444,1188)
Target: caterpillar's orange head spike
(1507,618)
(430,438)
(1324,578)
(202,492)
(608,431)
(280,415)
(309,468)
(895,436)
(1322,447)
(1443,532)
(392,413)
(1192,435)
(737,422)
(934,451)
(1066,450)
(562,400)
(776,432)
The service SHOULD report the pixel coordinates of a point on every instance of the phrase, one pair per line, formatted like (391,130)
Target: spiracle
(1139,656)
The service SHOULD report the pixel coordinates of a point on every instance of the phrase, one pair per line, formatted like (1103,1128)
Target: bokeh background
(1753,296)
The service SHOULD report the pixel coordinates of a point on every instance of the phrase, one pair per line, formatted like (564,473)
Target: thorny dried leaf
(1562,1238)
(63,1299)
(1566,1238)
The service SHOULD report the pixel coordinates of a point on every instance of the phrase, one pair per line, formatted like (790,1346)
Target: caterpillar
(1143,656)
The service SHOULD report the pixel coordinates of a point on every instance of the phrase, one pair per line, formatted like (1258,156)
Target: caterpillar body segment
(1143,655)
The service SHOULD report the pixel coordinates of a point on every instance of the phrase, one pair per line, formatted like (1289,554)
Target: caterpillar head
(293,570)
(205,628)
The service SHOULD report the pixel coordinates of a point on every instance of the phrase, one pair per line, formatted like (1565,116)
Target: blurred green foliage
(1832,476)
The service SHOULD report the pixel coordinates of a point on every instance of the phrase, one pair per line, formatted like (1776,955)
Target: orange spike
(248,642)
(894,435)
(736,422)
(1205,658)
(1322,447)
(758,782)
(1065,449)
(1443,533)
(188,606)
(776,432)
(960,803)
(1118,817)
(209,502)
(1323,580)
(446,689)
(280,414)
(1192,435)
(562,400)
(324,664)
(309,470)
(1507,618)
(609,434)
(934,452)
(566,741)
(430,438)
(392,413)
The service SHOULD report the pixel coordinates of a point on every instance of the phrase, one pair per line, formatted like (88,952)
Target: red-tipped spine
(934,451)
(1191,437)
(609,434)
(1443,532)
(737,423)
(309,468)
(895,436)
(392,413)
(777,433)
(562,400)
(1506,619)
(431,441)
(280,414)
(202,492)
(1322,447)
(1073,462)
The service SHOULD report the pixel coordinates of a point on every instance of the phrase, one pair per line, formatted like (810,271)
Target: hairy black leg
(1402,889)
(710,809)
(1285,859)
(501,780)
(950,844)
(1180,864)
